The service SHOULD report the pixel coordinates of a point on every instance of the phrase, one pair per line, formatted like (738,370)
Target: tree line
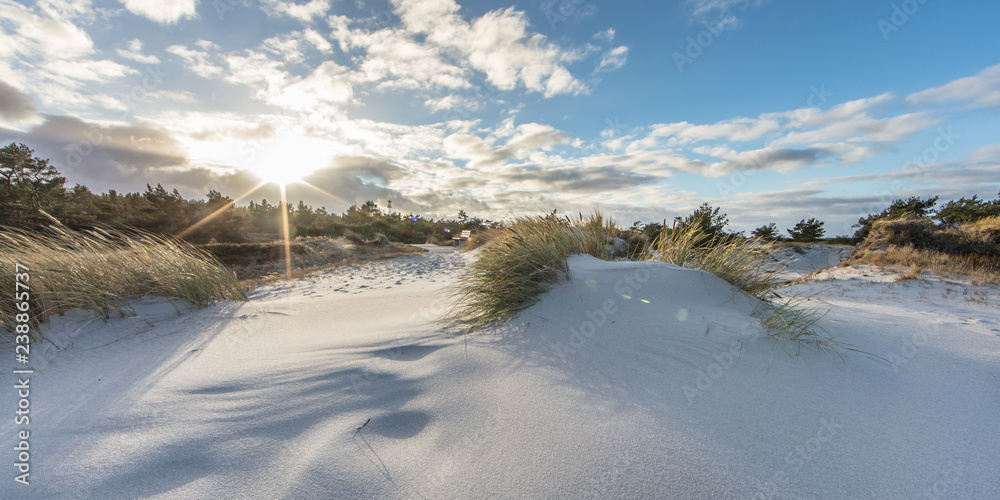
(30,186)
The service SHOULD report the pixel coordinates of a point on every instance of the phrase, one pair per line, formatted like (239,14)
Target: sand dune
(633,380)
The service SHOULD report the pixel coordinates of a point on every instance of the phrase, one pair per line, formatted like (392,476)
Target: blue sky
(772,109)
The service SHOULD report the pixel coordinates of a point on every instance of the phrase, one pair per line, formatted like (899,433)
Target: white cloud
(394,60)
(328,84)
(89,70)
(845,134)
(196,60)
(479,153)
(523,141)
(613,59)
(452,101)
(498,44)
(176,95)
(861,128)
(162,11)
(16,107)
(286,47)
(42,48)
(983,90)
(317,40)
(721,14)
(257,71)
(607,35)
(531,137)
(41,33)
(735,129)
(304,12)
(134,53)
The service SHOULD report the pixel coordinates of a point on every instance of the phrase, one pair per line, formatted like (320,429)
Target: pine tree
(807,230)
(27,184)
(768,232)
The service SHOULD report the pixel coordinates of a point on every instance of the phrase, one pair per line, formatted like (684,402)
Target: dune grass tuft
(512,270)
(99,270)
(744,263)
(520,262)
(794,323)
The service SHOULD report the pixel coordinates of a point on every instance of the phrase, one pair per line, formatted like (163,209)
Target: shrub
(968,210)
(981,237)
(916,245)
(910,208)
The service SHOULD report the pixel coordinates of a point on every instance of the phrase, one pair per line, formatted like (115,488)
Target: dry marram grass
(99,270)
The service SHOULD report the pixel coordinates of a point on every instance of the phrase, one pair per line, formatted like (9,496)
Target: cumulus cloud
(497,44)
(164,12)
(394,60)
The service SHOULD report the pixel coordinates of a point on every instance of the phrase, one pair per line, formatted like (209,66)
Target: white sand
(671,393)
(804,259)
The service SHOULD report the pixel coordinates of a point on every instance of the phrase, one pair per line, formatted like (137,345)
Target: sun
(289,157)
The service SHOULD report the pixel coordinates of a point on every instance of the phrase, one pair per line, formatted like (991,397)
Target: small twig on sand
(362,426)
